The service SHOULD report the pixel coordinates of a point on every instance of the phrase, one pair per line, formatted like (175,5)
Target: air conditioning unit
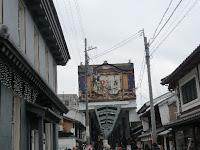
(60,128)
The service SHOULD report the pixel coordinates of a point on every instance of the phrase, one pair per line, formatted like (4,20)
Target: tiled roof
(187,65)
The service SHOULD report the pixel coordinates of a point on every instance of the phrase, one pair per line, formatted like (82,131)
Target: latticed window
(189,91)
(21,25)
(36,49)
(47,64)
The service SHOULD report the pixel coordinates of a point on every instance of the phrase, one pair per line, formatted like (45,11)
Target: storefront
(186,131)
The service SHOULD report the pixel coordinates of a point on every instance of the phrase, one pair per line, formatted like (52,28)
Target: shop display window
(185,139)
(197,136)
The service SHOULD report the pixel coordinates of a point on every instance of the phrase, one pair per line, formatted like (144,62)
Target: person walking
(155,147)
(146,147)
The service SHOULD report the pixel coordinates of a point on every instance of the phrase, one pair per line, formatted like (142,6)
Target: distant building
(70,100)
(184,80)
(31,46)
(72,127)
(165,112)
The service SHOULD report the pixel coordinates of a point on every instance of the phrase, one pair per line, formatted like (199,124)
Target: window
(34,140)
(16,122)
(21,25)
(66,103)
(1,10)
(36,49)
(47,64)
(55,76)
(189,91)
(48,132)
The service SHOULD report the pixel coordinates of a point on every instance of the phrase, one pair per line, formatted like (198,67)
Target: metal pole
(86,95)
(153,122)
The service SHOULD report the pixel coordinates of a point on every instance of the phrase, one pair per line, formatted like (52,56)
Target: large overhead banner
(107,82)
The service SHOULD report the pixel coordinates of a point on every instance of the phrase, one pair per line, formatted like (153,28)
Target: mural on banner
(108,83)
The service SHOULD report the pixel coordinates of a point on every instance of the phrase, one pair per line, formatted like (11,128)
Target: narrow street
(99,75)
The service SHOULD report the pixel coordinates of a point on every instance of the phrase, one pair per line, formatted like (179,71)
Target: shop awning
(148,133)
(165,132)
(44,112)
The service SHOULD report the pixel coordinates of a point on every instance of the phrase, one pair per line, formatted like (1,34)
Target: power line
(124,42)
(172,23)
(175,26)
(66,31)
(161,19)
(114,48)
(74,29)
(166,21)
(141,72)
(79,18)
(66,9)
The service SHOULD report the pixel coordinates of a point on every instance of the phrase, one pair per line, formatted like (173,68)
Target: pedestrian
(146,147)
(155,147)
(134,146)
(160,146)
(171,145)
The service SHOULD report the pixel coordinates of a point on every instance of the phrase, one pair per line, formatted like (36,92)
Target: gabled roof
(45,16)
(187,65)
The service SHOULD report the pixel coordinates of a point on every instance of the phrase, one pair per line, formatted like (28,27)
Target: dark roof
(143,108)
(46,19)
(122,67)
(187,65)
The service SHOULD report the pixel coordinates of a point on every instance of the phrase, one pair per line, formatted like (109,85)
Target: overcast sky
(106,23)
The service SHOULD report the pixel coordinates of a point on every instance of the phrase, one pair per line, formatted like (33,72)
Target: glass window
(197,136)
(185,139)
(189,91)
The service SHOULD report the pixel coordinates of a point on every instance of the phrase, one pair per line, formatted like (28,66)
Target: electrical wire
(196,2)
(74,28)
(70,25)
(166,22)
(172,23)
(80,18)
(124,42)
(141,73)
(161,19)
(66,31)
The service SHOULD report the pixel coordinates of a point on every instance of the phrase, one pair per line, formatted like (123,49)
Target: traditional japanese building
(112,101)
(184,80)
(31,46)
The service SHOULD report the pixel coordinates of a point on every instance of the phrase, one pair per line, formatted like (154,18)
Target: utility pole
(86,93)
(153,122)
